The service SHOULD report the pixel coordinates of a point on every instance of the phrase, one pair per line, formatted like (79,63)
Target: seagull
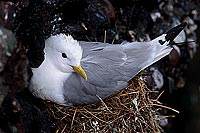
(78,72)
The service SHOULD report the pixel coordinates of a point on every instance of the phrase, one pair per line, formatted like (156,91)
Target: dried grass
(131,110)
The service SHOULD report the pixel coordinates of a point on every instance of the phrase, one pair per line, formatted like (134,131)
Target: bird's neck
(47,82)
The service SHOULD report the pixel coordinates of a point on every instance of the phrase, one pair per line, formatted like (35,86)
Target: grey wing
(107,69)
(108,64)
(80,92)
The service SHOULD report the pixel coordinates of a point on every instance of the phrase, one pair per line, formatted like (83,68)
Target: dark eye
(64,55)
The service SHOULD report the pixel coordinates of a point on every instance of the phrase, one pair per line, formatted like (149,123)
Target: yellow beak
(80,71)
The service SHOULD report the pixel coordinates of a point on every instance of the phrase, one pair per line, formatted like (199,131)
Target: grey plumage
(107,67)
(110,67)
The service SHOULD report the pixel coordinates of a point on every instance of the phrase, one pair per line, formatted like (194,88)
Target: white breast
(47,84)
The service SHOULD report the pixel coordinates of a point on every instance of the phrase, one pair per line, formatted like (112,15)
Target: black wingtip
(173,33)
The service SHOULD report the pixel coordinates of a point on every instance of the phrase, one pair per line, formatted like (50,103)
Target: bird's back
(110,67)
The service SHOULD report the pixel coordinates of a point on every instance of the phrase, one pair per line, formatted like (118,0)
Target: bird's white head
(64,53)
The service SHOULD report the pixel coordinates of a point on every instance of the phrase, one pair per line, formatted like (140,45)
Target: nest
(131,110)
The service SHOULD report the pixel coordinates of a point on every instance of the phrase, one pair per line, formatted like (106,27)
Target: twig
(88,38)
(159,106)
(113,40)
(159,95)
(105,35)
(83,25)
(64,128)
(73,118)
(104,104)
(96,116)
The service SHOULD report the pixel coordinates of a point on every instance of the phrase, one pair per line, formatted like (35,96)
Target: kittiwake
(79,72)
